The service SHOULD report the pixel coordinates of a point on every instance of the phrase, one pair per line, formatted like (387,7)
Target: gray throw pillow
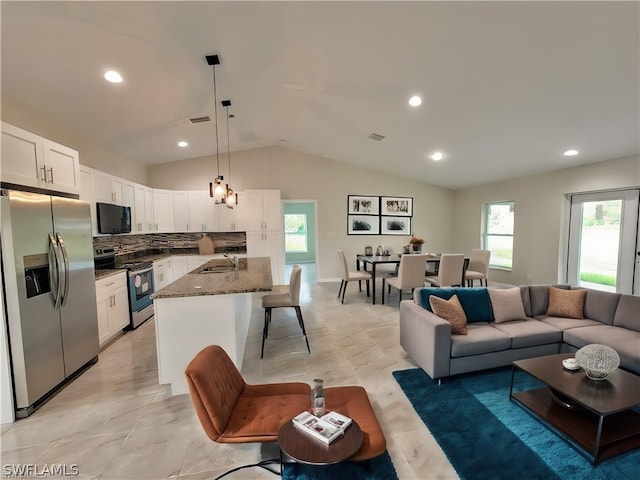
(506,304)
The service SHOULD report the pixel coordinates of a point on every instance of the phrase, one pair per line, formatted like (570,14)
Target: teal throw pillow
(425,293)
(475,301)
(476,304)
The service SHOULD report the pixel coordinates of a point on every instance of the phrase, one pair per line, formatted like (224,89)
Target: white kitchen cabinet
(162,273)
(149,216)
(231,219)
(108,188)
(180,200)
(33,161)
(139,222)
(201,217)
(265,237)
(112,300)
(163,210)
(264,210)
(179,266)
(86,194)
(268,244)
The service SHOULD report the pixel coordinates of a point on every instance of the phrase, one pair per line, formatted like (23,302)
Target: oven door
(140,288)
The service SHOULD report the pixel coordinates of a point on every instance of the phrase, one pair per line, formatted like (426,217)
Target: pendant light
(217,189)
(232,198)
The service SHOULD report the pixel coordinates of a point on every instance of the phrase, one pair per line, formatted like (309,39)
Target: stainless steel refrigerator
(50,297)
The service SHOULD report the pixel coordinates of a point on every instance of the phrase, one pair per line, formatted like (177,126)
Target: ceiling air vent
(376,136)
(200,119)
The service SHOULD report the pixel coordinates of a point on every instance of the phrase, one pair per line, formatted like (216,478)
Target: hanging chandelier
(231,198)
(217,188)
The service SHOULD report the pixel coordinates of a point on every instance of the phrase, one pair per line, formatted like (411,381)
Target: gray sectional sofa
(609,318)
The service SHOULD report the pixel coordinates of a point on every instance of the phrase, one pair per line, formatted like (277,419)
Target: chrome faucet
(232,258)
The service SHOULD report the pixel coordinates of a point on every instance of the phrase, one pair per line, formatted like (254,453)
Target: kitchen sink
(217,269)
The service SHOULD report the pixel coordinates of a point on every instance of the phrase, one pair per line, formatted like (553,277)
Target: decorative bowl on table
(598,361)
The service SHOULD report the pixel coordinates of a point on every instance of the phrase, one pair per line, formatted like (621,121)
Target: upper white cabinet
(200,219)
(149,215)
(163,210)
(264,210)
(86,194)
(108,188)
(232,219)
(180,201)
(33,161)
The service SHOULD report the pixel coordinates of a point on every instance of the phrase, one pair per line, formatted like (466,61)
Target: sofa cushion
(529,332)
(506,304)
(539,299)
(625,342)
(480,338)
(451,311)
(564,323)
(601,306)
(475,301)
(627,313)
(566,303)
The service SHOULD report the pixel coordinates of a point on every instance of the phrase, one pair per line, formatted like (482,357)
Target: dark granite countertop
(253,275)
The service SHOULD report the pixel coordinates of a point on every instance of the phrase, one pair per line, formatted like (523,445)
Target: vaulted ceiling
(507,87)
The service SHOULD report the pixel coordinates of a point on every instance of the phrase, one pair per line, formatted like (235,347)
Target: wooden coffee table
(595,414)
(304,448)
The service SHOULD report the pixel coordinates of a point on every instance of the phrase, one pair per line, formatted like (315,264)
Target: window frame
(304,234)
(486,234)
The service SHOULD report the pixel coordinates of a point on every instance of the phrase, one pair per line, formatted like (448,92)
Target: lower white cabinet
(162,273)
(112,301)
(268,244)
(179,266)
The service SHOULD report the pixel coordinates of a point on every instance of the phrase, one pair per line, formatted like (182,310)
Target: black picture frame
(396,206)
(363,224)
(363,205)
(395,225)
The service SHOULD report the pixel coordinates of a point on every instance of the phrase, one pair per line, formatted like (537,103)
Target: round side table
(304,448)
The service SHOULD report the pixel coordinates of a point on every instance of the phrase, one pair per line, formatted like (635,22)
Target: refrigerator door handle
(54,271)
(65,258)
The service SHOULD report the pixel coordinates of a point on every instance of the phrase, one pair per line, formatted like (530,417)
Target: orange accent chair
(232,411)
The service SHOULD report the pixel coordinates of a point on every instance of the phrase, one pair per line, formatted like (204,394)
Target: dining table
(374,260)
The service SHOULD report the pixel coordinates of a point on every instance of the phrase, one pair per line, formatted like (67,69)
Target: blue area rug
(487,436)
(379,468)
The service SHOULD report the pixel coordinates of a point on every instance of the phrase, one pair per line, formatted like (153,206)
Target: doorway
(300,238)
(603,247)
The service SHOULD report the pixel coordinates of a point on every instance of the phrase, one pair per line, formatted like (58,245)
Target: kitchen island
(209,306)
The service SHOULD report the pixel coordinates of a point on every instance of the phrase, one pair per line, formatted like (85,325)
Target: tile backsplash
(130,244)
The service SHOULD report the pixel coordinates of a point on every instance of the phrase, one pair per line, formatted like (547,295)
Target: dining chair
(284,296)
(349,276)
(478,268)
(449,271)
(410,274)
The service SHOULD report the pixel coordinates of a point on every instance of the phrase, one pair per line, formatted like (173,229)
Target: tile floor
(116,422)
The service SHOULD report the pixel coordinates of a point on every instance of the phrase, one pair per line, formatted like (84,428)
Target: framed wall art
(396,225)
(397,206)
(363,225)
(363,205)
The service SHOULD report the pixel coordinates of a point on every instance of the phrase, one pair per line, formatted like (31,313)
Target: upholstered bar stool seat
(354,402)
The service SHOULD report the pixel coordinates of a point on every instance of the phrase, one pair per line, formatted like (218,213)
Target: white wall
(303,176)
(540,202)
(90,153)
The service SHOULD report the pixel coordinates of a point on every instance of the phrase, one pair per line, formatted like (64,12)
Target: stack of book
(326,428)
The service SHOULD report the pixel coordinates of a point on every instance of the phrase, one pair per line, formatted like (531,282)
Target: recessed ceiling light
(415,101)
(183,144)
(437,156)
(570,153)
(113,76)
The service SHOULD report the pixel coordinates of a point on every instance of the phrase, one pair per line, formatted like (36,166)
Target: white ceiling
(506,86)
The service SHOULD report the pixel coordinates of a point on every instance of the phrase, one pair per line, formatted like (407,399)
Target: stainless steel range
(140,283)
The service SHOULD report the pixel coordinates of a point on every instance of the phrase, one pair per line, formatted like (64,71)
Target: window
(295,233)
(498,233)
